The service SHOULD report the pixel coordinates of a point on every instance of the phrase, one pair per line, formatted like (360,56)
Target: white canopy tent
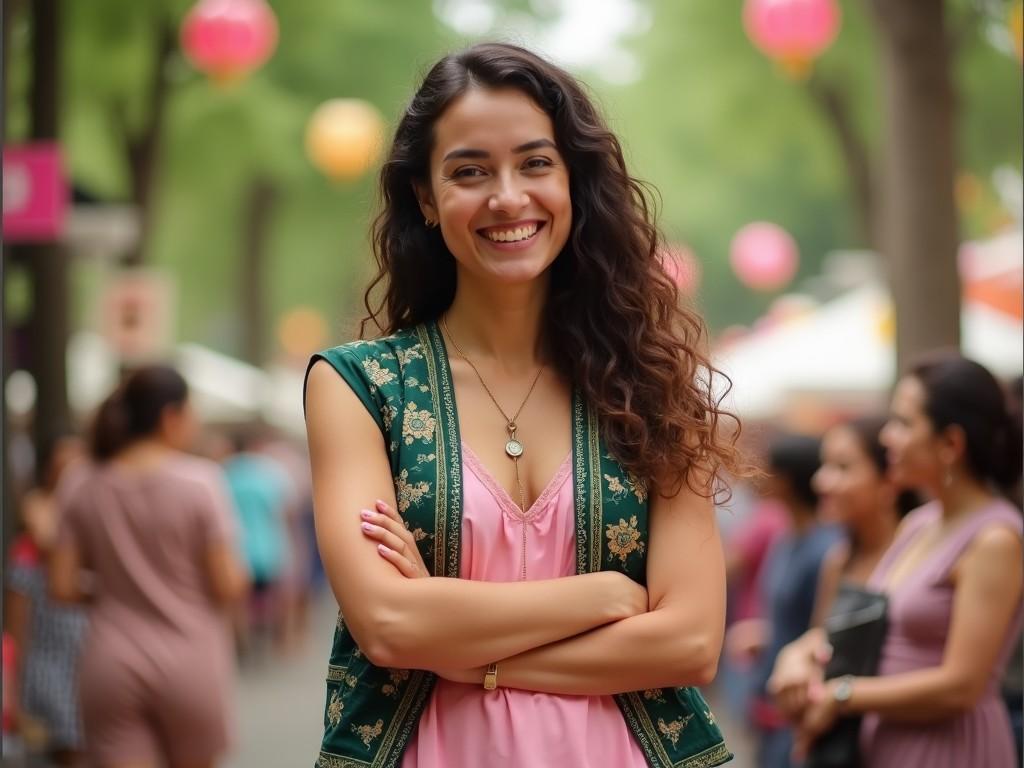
(844,349)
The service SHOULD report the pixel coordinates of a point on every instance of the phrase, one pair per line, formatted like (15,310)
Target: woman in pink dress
(147,542)
(521,261)
(953,576)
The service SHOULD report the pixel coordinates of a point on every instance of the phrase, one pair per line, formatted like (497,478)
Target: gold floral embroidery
(409,493)
(341,622)
(632,484)
(351,681)
(423,458)
(655,694)
(637,486)
(378,375)
(369,732)
(672,730)
(389,690)
(412,353)
(418,534)
(334,709)
(417,424)
(356,653)
(398,676)
(388,413)
(711,718)
(624,539)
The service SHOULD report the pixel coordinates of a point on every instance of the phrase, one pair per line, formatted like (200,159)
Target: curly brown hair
(614,325)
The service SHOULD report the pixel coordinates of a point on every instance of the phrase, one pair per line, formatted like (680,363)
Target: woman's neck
(962,497)
(144,453)
(874,533)
(500,324)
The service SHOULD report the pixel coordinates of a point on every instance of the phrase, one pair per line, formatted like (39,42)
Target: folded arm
(433,622)
(676,643)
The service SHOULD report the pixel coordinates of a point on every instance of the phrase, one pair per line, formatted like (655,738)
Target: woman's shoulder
(375,362)
(188,470)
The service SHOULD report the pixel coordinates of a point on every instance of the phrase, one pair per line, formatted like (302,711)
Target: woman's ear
(426,201)
(953,444)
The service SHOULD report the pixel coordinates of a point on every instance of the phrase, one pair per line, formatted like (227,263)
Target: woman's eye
(537,162)
(467,172)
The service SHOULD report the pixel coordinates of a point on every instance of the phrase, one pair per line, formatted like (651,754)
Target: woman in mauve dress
(953,576)
(147,542)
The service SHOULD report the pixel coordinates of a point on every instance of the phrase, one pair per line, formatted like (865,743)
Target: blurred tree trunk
(856,156)
(918,229)
(47,262)
(259,206)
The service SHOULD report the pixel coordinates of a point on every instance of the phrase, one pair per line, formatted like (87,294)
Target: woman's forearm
(652,650)
(921,696)
(457,623)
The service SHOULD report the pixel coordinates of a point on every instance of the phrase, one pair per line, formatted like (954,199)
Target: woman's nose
(509,197)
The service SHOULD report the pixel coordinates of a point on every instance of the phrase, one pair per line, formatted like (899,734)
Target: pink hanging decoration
(792,32)
(228,39)
(763,256)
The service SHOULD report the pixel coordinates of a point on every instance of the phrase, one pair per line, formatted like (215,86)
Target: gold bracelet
(491,678)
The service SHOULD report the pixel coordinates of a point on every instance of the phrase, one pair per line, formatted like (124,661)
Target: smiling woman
(530,453)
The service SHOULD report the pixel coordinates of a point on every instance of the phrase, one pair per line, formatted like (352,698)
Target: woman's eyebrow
(481,154)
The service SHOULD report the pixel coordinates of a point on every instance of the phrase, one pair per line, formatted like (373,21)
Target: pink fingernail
(367,514)
(382,549)
(382,504)
(368,526)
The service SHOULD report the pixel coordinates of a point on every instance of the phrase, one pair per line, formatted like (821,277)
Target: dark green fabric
(405,383)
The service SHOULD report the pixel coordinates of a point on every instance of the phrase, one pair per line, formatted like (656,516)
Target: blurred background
(193,181)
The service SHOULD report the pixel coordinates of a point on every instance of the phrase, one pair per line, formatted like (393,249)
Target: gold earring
(429,223)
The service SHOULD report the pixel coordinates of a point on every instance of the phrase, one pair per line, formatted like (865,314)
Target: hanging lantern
(1016,24)
(344,138)
(793,33)
(228,39)
(763,256)
(682,268)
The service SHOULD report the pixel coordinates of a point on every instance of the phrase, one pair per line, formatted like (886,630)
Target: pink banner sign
(35,193)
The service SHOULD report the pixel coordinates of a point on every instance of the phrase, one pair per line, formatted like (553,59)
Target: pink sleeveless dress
(465,726)
(920,610)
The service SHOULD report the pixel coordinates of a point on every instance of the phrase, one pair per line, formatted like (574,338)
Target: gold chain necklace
(513,446)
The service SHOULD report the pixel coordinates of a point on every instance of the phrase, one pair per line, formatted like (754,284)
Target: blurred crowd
(151,542)
(171,520)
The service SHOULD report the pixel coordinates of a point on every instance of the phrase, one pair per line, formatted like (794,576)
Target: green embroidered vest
(405,383)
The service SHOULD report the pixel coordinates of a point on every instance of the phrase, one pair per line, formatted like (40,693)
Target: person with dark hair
(147,543)
(953,578)
(540,581)
(856,492)
(47,635)
(789,583)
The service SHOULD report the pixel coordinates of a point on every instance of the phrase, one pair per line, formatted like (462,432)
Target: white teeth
(513,235)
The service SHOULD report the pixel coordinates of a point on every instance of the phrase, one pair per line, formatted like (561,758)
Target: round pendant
(514,449)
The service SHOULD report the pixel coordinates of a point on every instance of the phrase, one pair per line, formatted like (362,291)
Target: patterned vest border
(405,383)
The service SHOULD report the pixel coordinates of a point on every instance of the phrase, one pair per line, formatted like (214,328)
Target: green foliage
(711,123)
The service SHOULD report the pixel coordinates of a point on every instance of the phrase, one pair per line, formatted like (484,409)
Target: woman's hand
(819,716)
(797,671)
(745,640)
(395,542)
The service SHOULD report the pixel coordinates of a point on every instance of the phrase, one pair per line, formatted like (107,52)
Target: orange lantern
(344,138)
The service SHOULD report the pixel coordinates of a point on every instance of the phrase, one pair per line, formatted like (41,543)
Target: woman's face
(499,187)
(914,450)
(848,483)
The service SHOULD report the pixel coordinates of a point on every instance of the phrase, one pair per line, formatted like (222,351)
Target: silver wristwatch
(843,690)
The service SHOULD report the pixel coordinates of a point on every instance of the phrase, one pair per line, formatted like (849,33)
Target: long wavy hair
(613,323)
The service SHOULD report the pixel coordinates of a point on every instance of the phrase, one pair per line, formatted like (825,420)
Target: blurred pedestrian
(855,492)
(262,492)
(147,542)
(47,635)
(790,583)
(953,577)
(541,429)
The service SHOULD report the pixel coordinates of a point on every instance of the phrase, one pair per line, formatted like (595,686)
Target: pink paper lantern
(763,256)
(682,268)
(228,39)
(792,32)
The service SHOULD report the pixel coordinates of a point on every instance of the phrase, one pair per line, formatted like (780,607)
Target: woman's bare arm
(432,622)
